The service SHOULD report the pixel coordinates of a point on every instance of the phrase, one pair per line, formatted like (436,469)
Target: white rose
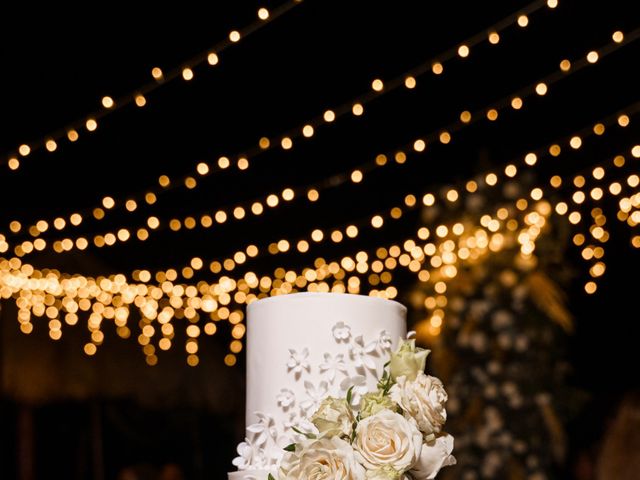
(434,456)
(323,459)
(422,399)
(333,417)
(387,439)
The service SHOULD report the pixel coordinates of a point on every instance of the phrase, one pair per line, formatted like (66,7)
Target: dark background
(60,60)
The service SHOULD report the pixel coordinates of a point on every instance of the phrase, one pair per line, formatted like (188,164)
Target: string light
(109,104)
(254,206)
(443,137)
(218,294)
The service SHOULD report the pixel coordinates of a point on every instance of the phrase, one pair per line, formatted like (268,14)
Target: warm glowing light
(617,36)
(552,3)
(598,129)
(555,150)
(356,176)
(156,73)
(357,109)
(516,103)
(419,145)
(463,51)
(377,85)
(592,56)
(212,58)
(565,65)
(575,142)
(108,202)
(444,137)
(329,116)
(635,152)
(91,124)
(510,171)
(107,102)
(452,195)
(263,13)
(531,158)
(187,74)
(286,143)
(51,145)
(523,21)
(429,199)
(494,38)
(313,195)
(465,116)
(14,163)
(410,82)
(234,36)
(541,88)
(492,114)
(224,162)
(590,287)
(307,131)
(288,194)
(437,68)
(377,221)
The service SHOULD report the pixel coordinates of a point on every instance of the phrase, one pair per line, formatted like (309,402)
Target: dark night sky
(318,56)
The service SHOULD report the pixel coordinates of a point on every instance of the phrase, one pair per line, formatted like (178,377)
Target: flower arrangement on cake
(393,433)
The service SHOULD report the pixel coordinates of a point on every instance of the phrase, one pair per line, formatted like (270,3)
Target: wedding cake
(329,377)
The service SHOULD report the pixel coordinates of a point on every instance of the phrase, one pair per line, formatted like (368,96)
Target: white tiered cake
(300,349)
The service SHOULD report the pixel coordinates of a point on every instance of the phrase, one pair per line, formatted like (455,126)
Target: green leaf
(349,394)
(270,477)
(290,448)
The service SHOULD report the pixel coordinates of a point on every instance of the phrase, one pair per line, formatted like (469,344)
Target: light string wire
(89,123)
(306,131)
(258,205)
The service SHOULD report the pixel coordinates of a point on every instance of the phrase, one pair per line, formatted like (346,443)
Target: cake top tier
(304,347)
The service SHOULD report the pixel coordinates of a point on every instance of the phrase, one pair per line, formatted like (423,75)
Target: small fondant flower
(315,394)
(332,365)
(361,354)
(341,332)
(286,398)
(298,361)
(384,341)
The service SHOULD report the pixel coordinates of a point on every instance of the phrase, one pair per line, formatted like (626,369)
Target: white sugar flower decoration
(332,365)
(246,453)
(286,398)
(359,384)
(360,353)
(341,332)
(384,341)
(298,361)
(263,429)
(315,395)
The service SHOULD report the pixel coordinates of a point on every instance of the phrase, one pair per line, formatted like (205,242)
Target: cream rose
(434,456)
(408,360)
(387,439)
(422,399)
(333,417)
(323,459)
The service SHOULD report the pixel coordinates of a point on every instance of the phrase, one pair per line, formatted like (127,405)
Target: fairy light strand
(139,97)
(289,139)
(308,193)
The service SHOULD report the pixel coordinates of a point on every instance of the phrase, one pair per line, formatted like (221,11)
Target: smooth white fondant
(300,348)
